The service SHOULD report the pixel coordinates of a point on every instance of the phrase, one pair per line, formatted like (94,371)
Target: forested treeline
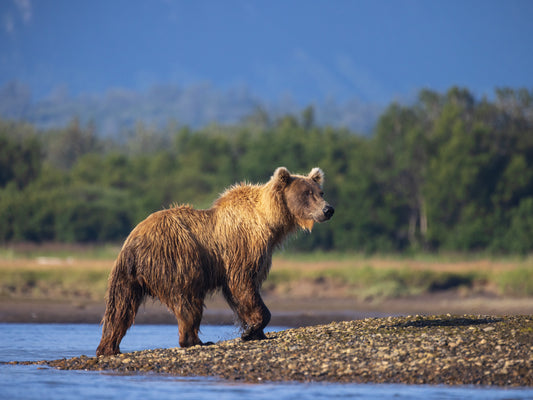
(449,172)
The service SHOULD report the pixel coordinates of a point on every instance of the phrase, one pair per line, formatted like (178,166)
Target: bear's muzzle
(328,212)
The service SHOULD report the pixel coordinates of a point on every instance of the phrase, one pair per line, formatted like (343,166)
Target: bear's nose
(328,211)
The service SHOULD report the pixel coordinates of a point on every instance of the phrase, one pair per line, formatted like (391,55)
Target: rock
(430,350)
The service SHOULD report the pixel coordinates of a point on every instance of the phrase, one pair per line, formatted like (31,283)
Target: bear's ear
(282,175)
(317,175)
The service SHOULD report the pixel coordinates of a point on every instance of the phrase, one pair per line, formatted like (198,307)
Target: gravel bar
(445,349)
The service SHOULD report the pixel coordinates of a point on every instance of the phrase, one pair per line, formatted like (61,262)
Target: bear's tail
(123,298)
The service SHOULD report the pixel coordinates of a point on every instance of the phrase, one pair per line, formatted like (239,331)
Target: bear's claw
(250,334)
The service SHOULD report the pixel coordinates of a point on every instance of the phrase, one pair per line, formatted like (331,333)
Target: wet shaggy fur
(181,254)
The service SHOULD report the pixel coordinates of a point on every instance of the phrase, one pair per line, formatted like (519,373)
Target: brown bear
(179,255)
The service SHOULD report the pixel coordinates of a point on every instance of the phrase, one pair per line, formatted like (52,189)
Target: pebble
(451,350)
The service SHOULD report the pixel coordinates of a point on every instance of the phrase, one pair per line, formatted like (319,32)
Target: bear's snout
(328,211)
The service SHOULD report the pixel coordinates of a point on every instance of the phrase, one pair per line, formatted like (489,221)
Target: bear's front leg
(251,310)
(255,332)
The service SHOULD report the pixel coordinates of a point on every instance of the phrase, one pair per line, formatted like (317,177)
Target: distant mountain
(119,110)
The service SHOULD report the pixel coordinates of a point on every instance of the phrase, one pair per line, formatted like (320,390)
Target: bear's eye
(321,194)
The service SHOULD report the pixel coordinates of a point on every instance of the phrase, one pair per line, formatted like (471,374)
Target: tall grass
(517,282)
(66,272)
(54,283)
(59,250)
(371,282)
(391,276)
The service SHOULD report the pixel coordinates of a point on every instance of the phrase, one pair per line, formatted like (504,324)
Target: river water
(22,342)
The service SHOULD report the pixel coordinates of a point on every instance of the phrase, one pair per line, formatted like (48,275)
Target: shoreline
(445,349)
(286,311)
(153,313)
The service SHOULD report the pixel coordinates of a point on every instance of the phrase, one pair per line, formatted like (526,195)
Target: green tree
(401,160)
(20,154)
(448,172)
(64,147)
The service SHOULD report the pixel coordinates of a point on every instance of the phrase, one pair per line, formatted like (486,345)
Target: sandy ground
(286,311)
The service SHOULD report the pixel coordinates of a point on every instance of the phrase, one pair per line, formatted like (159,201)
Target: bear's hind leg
(122,305)
(188,312)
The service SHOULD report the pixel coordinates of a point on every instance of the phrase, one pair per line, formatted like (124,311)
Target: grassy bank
(67,272)
(396,276)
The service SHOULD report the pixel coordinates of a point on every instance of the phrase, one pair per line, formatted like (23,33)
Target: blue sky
(308,50)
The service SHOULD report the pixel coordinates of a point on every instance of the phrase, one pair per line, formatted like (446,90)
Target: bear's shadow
(458,321)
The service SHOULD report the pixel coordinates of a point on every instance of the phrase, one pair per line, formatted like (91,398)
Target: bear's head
(304,196)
